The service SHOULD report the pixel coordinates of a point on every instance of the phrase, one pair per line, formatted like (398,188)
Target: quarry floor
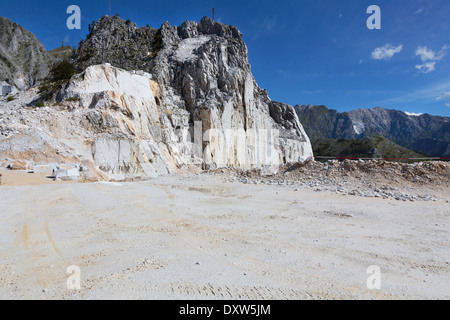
(196,237)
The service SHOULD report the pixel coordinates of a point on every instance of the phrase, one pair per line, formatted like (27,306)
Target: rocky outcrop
(137,134)
(203,68)
(203,81)
(132,135)
(193,105)
(120,43)
(23,58)
(61,54)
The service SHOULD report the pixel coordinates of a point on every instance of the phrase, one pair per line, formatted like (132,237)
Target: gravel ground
(421,181)
(199,237)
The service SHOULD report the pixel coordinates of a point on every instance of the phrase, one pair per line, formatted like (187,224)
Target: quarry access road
(196,237)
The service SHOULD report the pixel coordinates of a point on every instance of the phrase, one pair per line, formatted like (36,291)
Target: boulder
(20,165)
(67,175)
(44,169)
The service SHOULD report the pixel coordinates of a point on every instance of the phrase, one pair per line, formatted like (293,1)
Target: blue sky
(301,51)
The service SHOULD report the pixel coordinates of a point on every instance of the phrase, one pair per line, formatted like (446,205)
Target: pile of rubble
(422,181)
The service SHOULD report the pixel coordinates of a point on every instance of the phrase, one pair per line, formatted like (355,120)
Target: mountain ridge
(23,58)
(408,131)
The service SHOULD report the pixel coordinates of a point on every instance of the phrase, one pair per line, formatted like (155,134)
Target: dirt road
(194,237)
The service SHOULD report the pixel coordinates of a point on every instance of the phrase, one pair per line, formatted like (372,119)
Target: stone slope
(60,54)
(109,120)
(203,76)
(23,58)
(205,71)
(118,42)
(198,66)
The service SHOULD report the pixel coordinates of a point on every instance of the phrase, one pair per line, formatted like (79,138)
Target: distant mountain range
(425,134)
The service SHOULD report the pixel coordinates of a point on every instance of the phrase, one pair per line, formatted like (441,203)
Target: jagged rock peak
(188,29)
(208,26)
(123,44)
(119,42)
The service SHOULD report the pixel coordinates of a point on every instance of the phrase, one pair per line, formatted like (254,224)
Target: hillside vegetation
(373,147)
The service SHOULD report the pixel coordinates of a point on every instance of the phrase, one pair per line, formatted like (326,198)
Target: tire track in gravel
(42,263)
(118,282)
(119,285)
(194,234)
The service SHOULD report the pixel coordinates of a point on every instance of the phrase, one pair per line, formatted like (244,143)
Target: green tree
(63,71)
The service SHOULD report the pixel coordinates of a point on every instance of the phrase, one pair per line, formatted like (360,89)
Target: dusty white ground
(195,237)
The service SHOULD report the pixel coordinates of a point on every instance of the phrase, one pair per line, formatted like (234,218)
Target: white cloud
(428,54)
(413,114)
(312,91)
(425,54)
(426,67)
(386,52)
(445,97)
